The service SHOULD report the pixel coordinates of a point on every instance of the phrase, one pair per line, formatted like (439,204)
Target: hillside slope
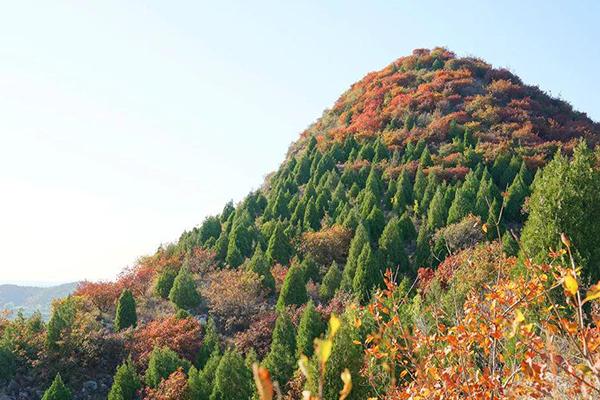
(417,181)
(30,299)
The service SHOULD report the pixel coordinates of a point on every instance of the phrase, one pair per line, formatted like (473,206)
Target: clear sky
(124,123)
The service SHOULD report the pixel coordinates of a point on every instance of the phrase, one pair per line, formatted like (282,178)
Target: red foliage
(258,335)
(101,294)
(180,335)
(172,388)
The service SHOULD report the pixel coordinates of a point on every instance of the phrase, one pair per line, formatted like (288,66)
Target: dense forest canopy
(433,234)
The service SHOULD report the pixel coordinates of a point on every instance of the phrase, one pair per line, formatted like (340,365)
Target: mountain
(420,209)
(30,298)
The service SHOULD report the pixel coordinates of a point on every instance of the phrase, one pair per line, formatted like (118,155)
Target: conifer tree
(233,380)
(425,159)
(381,152)
(293,290)
(361,238)
(310,269)
(566,200)
(391,246)
(510,172)
(162,363)
(281,359)
(375,221)
(210,343)
(210,368)
(517,192)
(259,264)
(164,282)
(310,327)
(197,386)
(420,184)
(183,293)
(373,182)
(311,218)
(367,274)
(494,222)
(331,283)
(57,391)
(407,228)
(510,247)
(279,249)
(461,205)
(302,170)
(486,194)
(126,315)
(437,213)
(221,246)
(422,252)
(404,192)
(126,382)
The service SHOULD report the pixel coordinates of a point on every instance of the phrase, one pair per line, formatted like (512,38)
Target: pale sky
(124,123)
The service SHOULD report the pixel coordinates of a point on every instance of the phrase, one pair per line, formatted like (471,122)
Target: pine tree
(391,246)
(162,363)
(57,391)
(367,274)
(210,343)
(164,282)
(566,200)
(302,170)
(279,249)
(373,182)
(126,315)
(310,327)
(425,159)
(183,293)
(259,265)
(420,184)
(331,283)
(311,218)
(509,173)
(437,213)
(403,196)
(461,206)
(233,380)
(361,238)
(126,382)
(293,291)
(281,359)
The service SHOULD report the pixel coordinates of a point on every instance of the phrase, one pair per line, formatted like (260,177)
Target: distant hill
(31,298)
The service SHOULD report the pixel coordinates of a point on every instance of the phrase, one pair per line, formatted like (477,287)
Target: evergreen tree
(228,210)
(508,175)
(501,163)
(367,274)
(381,152)
(164,282)
(281,359)
(373,182)
(183,293)
(162,363)
(486,194)
(233,380)
(126,382)
(517,192)
(407,228)
(210,228)
(566,200)
(310,269)
(57,391)
(331,283)
(221,247)
(509,244)
(493,222)
(126,315)
(425,159)
(279,249)
(210,343)
(361,238)
(293,290)
(197,386)
(437,213)
(375,221)
(461,206)
(422,252)
(420,185)
(311,218)
(302,170)
(259,264)
(310,327)
(7,360)
(468,140)
(404,192)
(209,370)
(391,247)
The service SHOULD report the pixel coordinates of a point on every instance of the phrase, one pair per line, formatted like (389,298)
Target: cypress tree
(126,382)
(311,218)
(517,192)
(164,282)
(209,370)
(259,264)
(233,380)
(57,391)
(493,222)
(510,172)
(197,386)
(420,185)
(361,238)
(210,343)
(381,152)
(302,170)
(183,293)
(279,249)
(461,206)
(425,159)
(162,363)
(281,359)
(407,228)
(391,247)
(509,244)
(293,290)
(404,192)
(310,269)
(126,315)
(366,274)
(375,221)
(311,326)
(437,213)
(422,252)
(221,247)
(500,165)
(566,200)
(373,182)
(331,283)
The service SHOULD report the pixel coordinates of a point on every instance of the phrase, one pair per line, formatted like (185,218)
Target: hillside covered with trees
(435,234)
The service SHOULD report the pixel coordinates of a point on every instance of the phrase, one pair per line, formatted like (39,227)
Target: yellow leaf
(519,318)
(593,293)
(347,379)
(571,285)
(324,350)
(303,365)
(334,325)
(484,228)
(357,323)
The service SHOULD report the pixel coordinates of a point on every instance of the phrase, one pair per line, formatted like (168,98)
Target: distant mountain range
(31,298)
